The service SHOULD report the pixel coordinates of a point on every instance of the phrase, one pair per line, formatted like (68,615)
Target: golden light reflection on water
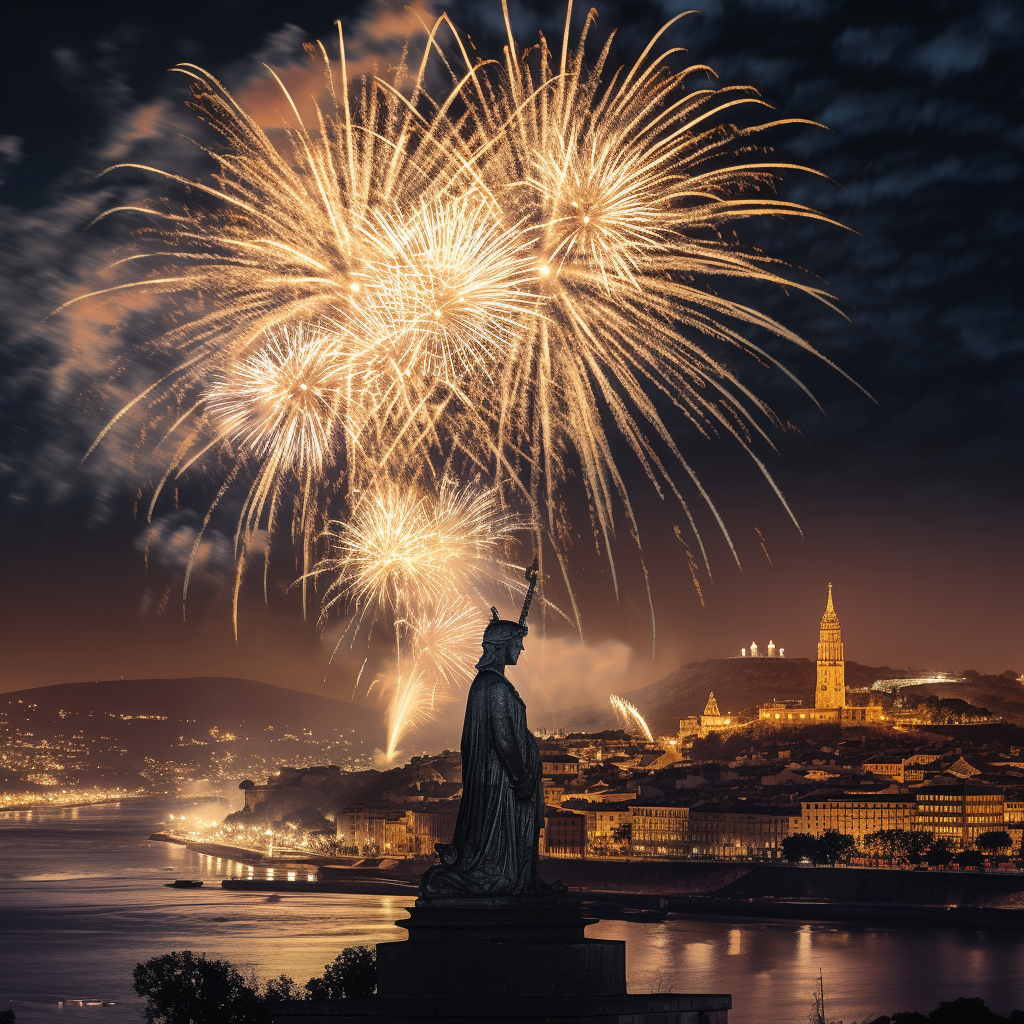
(84,901)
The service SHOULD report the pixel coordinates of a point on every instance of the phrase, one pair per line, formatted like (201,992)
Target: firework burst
(626,182)
(512,281)
(415,560)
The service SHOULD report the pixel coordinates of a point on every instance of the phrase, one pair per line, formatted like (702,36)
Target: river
(82,901)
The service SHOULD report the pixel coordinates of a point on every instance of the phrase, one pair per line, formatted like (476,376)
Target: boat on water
(62,1003)
(184,883)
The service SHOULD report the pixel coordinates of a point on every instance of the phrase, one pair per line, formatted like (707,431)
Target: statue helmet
(502,631)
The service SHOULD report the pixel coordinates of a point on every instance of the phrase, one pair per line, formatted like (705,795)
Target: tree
(623,834)
(896,844)
(964,1011)
(834,846)
(994,842)
(278,989)
(938,854)
(190,988)
(969,859)
(917,844)
(351,975)
(6,1017)
(799,846)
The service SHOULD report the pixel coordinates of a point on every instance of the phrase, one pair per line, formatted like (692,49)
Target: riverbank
(744,882)
(75,801)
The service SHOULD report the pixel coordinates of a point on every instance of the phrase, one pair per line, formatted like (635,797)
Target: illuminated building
(959,812)
(559,765)
(830,707)
(753,833)
(565,834)
(701,725)
(1013,811)
(856,814)
(754,653)
(554,793)
(888,767)
(713,720)
(429,827)
(830,691)
(660,831)
(604,822)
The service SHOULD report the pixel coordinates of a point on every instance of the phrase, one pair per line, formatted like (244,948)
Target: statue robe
(494,849)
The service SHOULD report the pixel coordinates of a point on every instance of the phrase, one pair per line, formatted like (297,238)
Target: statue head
(502,642)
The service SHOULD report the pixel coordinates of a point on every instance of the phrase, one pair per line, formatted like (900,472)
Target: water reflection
(83,900)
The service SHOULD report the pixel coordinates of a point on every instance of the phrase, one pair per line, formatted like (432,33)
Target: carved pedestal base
(518,961)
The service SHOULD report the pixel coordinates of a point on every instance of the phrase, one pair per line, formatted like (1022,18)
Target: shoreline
(77,803)
(623,904)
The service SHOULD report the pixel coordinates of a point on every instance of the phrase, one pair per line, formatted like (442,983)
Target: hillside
(741,684)
(1002,694)
(174,731)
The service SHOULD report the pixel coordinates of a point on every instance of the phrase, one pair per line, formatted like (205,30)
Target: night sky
(909,501)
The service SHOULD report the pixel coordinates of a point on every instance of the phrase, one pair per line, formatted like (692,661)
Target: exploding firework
(403,549)
(627,182)
(510,281)
(416,560)
(631,719)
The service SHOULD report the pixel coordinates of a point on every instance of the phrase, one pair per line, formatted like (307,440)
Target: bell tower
(831,688)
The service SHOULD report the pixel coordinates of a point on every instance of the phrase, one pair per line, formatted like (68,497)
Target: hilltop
(172,731)
(741,684)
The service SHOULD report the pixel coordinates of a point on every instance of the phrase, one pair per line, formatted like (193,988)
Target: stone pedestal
(520,960)
(479,947)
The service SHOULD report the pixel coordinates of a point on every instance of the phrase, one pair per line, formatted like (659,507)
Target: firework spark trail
(439,643)
(417,560)
(510,281)
(626,182)
(632,721)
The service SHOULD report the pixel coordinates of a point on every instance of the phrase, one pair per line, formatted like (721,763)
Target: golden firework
(515,280)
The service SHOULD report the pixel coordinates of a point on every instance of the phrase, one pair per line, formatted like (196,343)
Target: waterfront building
(830,707)
(565,834)
(857,814)
(959,812)
(660,830)
(748,833)
(428,827)
(604,822)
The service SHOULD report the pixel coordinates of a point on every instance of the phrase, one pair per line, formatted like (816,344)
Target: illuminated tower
(831,688)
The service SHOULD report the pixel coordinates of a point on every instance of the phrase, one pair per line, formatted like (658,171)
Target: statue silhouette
(494,849)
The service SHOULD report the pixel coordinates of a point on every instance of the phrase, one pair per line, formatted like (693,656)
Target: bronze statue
(494,849)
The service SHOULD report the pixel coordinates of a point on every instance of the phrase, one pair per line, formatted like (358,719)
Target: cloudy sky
(909,501)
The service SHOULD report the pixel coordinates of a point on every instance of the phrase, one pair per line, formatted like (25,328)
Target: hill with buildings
(741,684)
(168,733)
